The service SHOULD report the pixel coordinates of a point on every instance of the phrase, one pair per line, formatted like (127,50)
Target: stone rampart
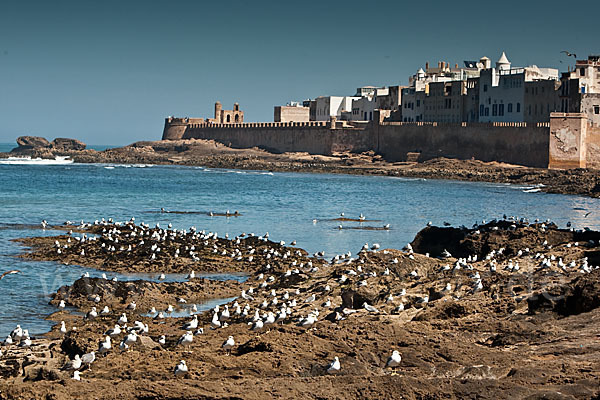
(511,142)
(515,143)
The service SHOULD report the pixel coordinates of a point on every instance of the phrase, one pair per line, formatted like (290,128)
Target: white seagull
(335,366)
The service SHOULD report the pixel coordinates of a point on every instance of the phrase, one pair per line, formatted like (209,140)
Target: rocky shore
(585,182)
(505,309)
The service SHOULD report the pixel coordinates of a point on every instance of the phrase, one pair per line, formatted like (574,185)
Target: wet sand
(527,332)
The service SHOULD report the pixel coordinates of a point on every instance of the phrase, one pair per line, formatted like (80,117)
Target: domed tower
(218,112)
(503,63)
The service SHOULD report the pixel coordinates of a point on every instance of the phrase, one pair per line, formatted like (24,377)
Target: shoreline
(521,333)
(211,154)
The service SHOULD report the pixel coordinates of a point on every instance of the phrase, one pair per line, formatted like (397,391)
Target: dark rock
(32,141)
(28,143)
(65,144)
(356,299)
(581,295)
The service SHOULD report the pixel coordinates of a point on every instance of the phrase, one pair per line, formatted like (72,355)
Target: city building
(293,112)
(580,89)
(445,102)
(324,107)
(503,89)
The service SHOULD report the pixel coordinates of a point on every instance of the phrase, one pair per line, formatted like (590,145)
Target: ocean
(284,204)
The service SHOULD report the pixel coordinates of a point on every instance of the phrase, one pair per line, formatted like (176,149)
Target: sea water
(290,206)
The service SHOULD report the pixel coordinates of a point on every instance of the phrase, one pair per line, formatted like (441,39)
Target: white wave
(109,167)
(58,160)
(534,190)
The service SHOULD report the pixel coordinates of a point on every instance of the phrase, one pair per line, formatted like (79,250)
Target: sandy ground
(528,329)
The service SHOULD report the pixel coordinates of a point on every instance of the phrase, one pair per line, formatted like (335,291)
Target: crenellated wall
(515,143)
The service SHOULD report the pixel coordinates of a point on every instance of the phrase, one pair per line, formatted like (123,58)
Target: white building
(502,93)
(332,106)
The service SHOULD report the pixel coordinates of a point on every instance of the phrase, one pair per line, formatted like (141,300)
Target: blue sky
(109,72)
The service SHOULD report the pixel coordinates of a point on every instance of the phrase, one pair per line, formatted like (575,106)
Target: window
(494,110)
(487,111)
(418,103)
(228,118)
(485,88)
(481,110)
(582,71)
(518,107)
(596,110)
(501,110)
(509,107)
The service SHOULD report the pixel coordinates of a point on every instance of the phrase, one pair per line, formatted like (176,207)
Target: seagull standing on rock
(73,364)
(334,367)
(394,360)
(181,368)
(228,345)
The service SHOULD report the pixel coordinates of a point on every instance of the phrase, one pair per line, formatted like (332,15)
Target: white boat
(27,160)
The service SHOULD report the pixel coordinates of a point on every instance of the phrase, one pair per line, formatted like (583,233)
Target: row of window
(497,109)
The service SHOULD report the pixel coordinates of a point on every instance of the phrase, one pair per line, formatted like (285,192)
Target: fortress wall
(512,144)
(173,129)
(593,147)
(314,140)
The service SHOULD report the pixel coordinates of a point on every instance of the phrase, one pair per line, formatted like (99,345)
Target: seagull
(91,314)
(73,364)
(13,271)
(114,331)
(228,344)
(193,324)
(394,360)
(105,346)
(88,359)
(334,367)
(186,339)
(370,308)
(181,368)
(76,376)
(569,54)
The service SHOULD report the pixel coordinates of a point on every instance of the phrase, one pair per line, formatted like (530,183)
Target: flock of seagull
(275,299)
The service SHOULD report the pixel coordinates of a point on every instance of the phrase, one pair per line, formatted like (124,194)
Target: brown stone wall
(567,146)
(295,137)
(593,147)
(174,128)
(515,144)
(512,144)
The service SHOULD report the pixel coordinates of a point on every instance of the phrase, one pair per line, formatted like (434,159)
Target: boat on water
(27,160)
